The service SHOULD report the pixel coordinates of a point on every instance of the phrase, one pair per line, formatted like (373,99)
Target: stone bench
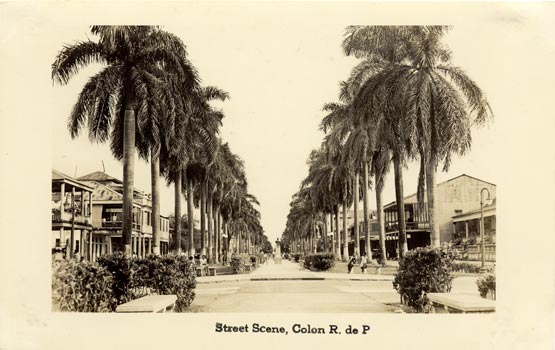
(460,302)
(149,303)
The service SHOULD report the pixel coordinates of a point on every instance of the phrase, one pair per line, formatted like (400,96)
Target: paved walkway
(288,270)
(287,287)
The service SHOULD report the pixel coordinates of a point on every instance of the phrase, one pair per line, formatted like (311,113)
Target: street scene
(183,205)
(287,287)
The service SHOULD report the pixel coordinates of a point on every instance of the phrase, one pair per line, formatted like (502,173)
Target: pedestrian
(204,266)
(351,263)
(192,266)
(363,263)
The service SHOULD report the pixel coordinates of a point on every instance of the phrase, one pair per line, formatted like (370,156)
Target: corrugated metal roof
(100,177)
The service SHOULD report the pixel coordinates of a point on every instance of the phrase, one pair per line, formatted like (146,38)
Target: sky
(279,74)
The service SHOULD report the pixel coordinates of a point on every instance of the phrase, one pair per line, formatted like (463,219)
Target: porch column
(90,205)
(72,237)
(62,237)
(466,229)
(62,199)
(90,244)
(83,204)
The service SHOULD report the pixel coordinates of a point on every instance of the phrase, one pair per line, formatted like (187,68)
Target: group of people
(202,263)
(353,261)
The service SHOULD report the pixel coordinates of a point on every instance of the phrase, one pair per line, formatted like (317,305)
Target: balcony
(119,225)
(410,225)
(65,216)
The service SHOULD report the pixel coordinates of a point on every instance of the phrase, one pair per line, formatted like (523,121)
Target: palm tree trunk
(355,207)
(128,174)
(431,188)
(325,233)
(177,225)
(209,227)
(345,234)
(202,219)
(400,204)
(155,180)
(191,250)
(381,223)
(366,209)
(337,249)
(217,234)
(332,237)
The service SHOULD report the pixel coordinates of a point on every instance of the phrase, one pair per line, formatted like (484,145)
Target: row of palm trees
(404,101)
(148,98)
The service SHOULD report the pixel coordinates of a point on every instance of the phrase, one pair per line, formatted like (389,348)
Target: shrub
(465,267)
(114,279)
(319,261)
(238,262)
(421,271)
(486,284)
(297,257)
(169,274)
(82,287)
(121,269)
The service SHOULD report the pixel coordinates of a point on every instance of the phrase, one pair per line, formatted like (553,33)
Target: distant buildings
(458,203)
(98,228)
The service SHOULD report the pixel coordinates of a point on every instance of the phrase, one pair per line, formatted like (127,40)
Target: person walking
(363,263)
(351,263)
(204,266)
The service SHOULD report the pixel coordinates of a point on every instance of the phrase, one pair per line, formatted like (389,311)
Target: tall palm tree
(435,103)
(382,48)
(119,93)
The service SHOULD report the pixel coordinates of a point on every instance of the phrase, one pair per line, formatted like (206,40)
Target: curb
(315,278)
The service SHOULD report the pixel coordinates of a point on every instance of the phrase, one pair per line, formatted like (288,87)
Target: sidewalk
(290,271)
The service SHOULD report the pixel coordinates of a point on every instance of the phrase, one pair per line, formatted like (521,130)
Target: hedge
(115,279)
(319,261)
(82,286)
(239,261)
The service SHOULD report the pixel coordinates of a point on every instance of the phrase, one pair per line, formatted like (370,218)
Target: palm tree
(434,102)
(119,93)
(382,49)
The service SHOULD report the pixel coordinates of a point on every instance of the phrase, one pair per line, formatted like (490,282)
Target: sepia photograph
(278,171)
(340,247)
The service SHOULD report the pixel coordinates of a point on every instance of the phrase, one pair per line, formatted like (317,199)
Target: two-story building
(107,218)
(71,214)
(455,197)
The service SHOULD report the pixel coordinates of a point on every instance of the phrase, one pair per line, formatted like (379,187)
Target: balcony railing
(65,216)
(119,225)
(411,225)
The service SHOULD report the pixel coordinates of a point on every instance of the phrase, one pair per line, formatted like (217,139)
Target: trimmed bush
(239,261)
(421,271)
(82,287)
(114,280)
(297,257)
(164,275)
(121,269)
(486,284)
(319,261)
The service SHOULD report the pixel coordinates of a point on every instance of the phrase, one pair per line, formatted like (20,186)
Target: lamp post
(482,233)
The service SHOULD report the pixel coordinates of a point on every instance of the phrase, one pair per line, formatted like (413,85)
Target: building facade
(97,220)
(71,215)
(455,197)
